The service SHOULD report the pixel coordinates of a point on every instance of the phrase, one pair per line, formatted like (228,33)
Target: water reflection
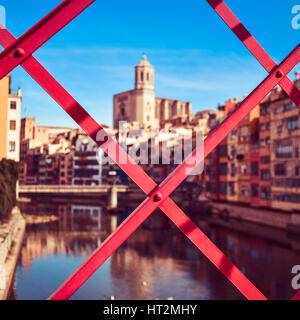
(154,262)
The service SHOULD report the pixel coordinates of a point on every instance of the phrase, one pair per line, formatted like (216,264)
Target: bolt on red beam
(253,46)
(173,181)
(40,33)
(69,104)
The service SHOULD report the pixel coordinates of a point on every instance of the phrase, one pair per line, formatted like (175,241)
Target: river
(156,262)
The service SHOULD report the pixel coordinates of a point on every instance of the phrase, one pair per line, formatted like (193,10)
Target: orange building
(265,153)
(285,150)
(230,174)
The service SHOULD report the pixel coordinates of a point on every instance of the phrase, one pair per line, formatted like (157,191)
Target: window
(122,110)
(268,141)
(297,152)
(265,174)
(12,146)
(289,106)
(207,187)
(265,193)
(13,105)
(142,76)
(254,190)
(244,191)
(265,160)
(233,134)
(148,76)
(233,150)
(280,169)
(283,151)
(231,189)
(254,168)
(262,143)
(254,138)
(223,188)
(293,123)
(233,170)
(264,110)
(244,169)
(262,127)
(12,125)
(268,126)
(254,148)
(212,175)
(295,198)
(297,171)
(223,151)
(223,169)
(279,129)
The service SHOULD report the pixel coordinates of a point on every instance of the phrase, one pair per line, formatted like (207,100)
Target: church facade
(141,108)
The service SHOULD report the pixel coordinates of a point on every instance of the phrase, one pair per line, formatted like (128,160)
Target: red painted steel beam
(71,106)
(34,38)
(172,182)
(296,296)
(253,46)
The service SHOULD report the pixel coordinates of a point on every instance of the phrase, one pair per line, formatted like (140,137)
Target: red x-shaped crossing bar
(20,52)
(253,46)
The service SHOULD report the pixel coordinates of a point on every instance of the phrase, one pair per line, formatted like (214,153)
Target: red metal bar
(296,296)
(253,46)
(174,180)
(71,106)
(40,33)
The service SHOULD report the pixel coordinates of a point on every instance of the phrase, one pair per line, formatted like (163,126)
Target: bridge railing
(69,188)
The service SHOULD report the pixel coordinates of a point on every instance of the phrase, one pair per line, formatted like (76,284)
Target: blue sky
(196,57)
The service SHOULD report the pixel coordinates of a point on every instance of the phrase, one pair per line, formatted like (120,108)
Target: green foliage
(8,180)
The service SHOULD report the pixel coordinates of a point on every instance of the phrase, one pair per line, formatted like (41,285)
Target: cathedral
(141,108)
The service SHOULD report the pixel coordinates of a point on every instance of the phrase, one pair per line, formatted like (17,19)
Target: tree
(8,181)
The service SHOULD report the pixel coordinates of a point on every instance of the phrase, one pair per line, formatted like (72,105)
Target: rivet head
(279,74)
(19,53)
(157,197)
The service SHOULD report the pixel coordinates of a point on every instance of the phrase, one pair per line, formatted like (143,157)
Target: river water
(156,262)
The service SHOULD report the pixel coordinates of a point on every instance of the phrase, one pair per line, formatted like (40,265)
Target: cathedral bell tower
(138,106)
(144,75)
